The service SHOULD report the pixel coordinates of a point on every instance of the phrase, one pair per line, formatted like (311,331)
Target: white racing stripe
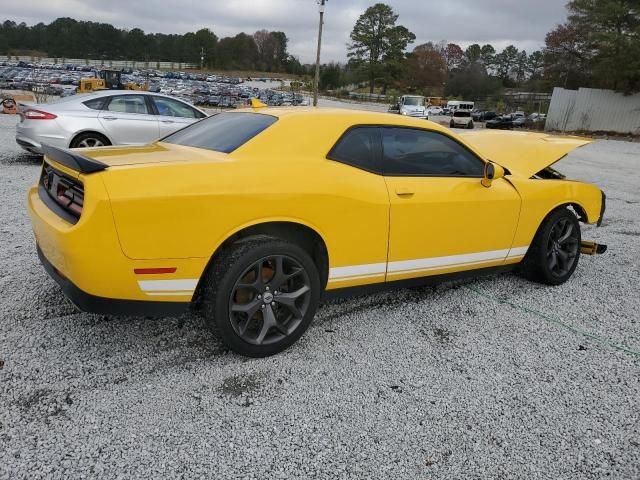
(183,285)
(448,261)
(171,294)
(355,272)
(371,269)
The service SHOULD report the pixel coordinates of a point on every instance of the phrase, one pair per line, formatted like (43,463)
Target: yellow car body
(153,218)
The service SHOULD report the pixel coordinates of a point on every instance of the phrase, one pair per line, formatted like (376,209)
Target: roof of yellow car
(353,115)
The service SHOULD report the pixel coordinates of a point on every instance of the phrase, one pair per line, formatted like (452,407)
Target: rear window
(462,114)
(223,132)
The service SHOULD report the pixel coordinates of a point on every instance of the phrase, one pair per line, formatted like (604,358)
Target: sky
(522,23)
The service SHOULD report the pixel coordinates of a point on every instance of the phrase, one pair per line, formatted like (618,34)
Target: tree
(566,60)
(426,69)
(377,43)
(69,38)
(505,63)
(453,56)
(330,76)
(598,46)
(612,32)
(535,65)
(473,54)
(488,56)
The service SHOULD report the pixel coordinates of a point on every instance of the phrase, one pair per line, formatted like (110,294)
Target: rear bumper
(108,306)
(29,145)
(30,135)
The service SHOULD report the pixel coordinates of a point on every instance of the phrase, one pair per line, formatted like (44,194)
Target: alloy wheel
(562,247)
(90,142)
(269,300)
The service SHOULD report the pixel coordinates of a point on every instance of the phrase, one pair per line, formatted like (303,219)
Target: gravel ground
(494,378)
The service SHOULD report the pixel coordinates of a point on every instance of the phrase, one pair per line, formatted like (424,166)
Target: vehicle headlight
(403,112)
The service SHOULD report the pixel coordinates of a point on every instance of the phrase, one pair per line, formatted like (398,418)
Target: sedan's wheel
(90,140)
(451,124)
(554,254)
(261,295)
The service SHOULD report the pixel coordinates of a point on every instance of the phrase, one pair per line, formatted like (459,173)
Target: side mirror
(492,172)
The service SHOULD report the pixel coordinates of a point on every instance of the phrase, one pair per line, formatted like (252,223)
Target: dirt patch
(239,385)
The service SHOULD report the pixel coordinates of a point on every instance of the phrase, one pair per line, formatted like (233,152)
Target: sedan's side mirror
(492,172)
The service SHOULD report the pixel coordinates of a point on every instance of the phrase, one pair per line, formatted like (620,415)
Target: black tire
(89,140)
(451,124)
(470,126)
(555,251)
(240,323)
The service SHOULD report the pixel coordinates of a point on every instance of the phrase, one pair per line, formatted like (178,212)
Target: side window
(173,108)
(95,104)
(358,147)
(413,152)
(128,104)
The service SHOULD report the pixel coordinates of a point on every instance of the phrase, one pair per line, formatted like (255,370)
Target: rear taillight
(64,191)
(33,114)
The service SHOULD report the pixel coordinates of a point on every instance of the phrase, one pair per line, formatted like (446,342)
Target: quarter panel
(158,216)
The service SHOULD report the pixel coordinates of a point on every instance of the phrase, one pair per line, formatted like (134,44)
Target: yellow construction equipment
(108,80)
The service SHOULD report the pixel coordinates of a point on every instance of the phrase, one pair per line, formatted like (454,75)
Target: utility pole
(201,58)
(316,80)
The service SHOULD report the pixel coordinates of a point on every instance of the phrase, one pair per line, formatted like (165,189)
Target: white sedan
(108,117)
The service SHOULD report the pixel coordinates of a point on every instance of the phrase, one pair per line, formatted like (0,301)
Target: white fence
(593,110)
(104,63)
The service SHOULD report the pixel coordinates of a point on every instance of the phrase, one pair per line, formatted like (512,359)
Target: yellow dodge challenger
(254,215)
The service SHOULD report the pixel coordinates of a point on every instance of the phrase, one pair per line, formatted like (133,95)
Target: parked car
(435,111)
(483,115)
(461,119)
(242,215)
(488,115)
(109,117)
(519,122)
(503,122)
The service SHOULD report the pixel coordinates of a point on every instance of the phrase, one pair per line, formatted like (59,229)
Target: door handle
(404,191)
(167,121)
(110,118)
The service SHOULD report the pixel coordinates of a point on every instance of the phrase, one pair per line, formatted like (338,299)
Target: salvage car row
(196,88)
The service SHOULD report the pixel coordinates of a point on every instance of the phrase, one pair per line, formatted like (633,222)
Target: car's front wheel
(451,124)
(261,294)
(555,251)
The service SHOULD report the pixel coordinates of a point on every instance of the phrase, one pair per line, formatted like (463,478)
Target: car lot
(196,88)
(493,378)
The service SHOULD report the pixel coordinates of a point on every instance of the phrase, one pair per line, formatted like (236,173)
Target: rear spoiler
(73,160)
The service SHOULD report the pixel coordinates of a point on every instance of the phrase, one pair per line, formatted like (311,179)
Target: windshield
(462,114)
(414,101)
(223,132)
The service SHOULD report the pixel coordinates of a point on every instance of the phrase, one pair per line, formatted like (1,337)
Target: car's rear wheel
(261,294)
(555,251)
(90,140)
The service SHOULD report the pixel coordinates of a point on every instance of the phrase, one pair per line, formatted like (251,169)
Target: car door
(441,218)
(127,120)
(174,114)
